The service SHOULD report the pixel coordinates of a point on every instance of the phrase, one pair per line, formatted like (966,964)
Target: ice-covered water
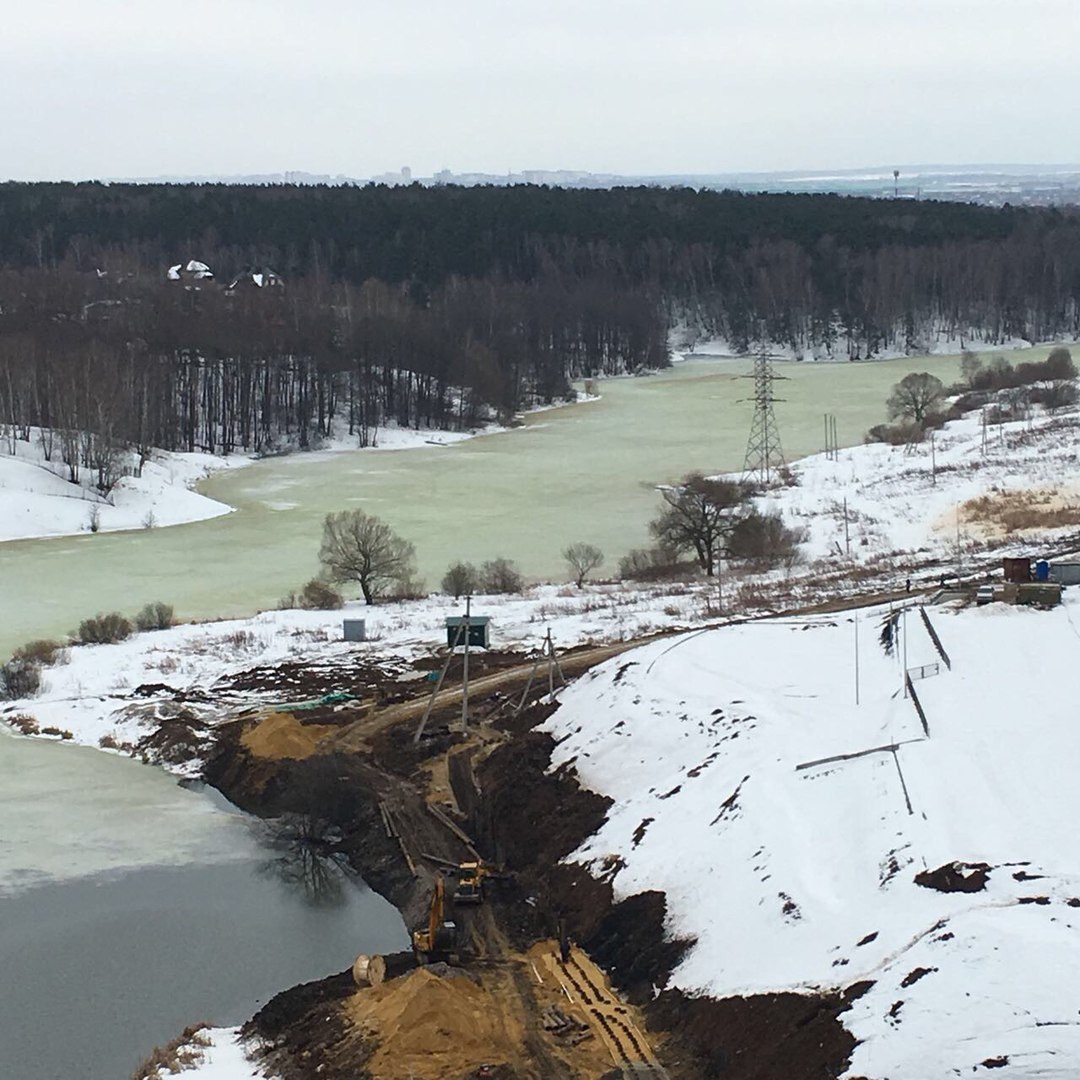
(584,472)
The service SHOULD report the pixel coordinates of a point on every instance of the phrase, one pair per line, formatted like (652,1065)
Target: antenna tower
(764,455)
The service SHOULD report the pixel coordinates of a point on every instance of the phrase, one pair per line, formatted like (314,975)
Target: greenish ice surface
(582,472)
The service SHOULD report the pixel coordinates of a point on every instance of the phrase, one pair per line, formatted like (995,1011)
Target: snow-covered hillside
(37,499)
(920,499)
(793,875)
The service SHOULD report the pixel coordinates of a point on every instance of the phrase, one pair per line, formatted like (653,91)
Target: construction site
(523,965)
(498,983)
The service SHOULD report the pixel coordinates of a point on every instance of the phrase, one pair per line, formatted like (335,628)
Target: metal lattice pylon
(764,454)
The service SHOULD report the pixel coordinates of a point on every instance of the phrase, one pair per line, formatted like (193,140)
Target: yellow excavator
(472,877)
(438,940)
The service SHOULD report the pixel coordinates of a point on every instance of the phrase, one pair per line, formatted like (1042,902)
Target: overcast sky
(127,88)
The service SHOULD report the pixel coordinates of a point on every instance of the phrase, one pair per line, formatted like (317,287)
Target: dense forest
(349,307)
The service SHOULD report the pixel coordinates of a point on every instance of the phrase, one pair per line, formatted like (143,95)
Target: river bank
(496,786)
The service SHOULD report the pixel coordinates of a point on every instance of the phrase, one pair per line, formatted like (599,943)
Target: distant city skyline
(498,86)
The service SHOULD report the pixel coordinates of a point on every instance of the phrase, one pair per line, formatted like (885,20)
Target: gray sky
(126,88)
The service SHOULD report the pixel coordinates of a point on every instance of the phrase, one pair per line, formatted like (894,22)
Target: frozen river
(583,472)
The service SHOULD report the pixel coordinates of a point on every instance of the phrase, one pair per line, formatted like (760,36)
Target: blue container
(1042,570)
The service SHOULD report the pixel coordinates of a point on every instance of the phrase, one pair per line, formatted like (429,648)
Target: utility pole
(856,656)
(832,446)
(903,646)
(847,534)
(465,675)
(933,462)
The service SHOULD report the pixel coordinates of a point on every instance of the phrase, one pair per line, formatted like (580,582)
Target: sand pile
(436,1026)
(281,735)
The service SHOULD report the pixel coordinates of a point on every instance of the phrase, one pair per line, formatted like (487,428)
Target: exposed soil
(496,786)
(955,877)
(282,735)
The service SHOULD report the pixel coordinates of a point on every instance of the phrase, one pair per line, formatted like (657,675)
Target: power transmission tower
(764,455)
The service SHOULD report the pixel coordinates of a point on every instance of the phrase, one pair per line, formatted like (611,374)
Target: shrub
(1057,395)
(60,733)
(765,539)
(316,595)
(654,564)
(501,576)
(104,629)
(895,434)
(23,722)
(460,579)
(43,651)
(19,679)
(155,616)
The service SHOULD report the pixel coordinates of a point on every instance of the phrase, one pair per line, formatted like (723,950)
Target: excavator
(472,877)
(438,940)
(470,886)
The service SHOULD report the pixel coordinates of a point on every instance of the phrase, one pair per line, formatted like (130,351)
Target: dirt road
(358,734)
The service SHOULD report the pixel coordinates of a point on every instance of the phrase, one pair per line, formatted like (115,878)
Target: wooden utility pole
(847,534)
(437,687)
(856,656)
(547,652)
(465,675)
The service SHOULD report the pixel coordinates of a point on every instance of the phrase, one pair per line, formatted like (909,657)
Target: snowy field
(910,501)
(92,695)
(796,876)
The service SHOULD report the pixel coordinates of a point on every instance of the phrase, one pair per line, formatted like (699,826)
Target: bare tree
(582,559)
(360,547)
(914,396)
(501,575)
(460,580)
(700,516)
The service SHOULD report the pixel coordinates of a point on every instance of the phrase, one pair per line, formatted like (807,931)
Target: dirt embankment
(528,820)
(531,819)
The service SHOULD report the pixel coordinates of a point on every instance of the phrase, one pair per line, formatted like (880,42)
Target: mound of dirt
(281,735)
(429,1026)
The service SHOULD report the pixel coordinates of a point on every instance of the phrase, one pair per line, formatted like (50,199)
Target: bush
(316,595)
(43,651)
(155,616)
(19,679)
(765,539)
(895,434)
(460,580)
(104,629)
(1054,396)
(501,576)
(654,564)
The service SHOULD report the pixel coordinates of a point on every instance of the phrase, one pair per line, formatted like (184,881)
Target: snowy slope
(36,499)
(801,878)
(911,499)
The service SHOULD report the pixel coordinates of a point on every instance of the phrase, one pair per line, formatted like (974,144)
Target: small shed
(478,631)
(1065,573)
(1017,570)
(354,629)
